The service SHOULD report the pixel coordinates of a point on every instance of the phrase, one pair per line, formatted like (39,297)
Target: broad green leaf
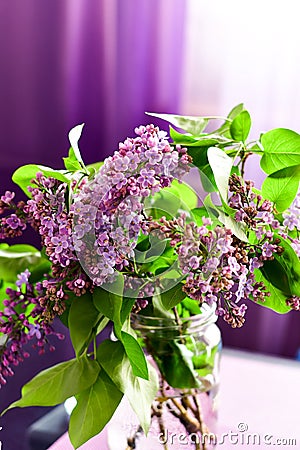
(23,175)
(136,355)
(281,187)
(95,407)
(16,258)
(74,136)
(54,385)
(140,392)
(240,126)
(186,193)
(236,111)
(82,320)
(281,150)
(221,165)
(277,300)
(198,214)
(127,304)
(291,265)
(224,129)
(171,201)
(191,305)
(181,138)
(109,304)
(192,124)
(39,270)
(172,297)
(174,360)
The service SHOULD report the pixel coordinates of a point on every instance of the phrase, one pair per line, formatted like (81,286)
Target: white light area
(70,404)
(237,51)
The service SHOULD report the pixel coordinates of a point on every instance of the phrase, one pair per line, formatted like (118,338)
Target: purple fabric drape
(102,62)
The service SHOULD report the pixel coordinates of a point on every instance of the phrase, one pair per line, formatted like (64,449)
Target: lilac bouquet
(130,236)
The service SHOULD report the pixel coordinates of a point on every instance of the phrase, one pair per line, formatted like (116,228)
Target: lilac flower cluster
(218,266)
(253,211)
(291,223)
(20,328)
(47,212)
(14,224)
(108,211)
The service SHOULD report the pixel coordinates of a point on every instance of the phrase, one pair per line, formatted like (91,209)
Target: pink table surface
(258,395)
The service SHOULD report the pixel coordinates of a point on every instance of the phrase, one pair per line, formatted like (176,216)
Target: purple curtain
(102,62)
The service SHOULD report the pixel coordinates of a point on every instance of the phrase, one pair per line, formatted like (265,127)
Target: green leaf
(71,162)
(281,150)
(173,296)
(54,385)
(94,167)
(136,355)
(191,124)
(240,126)
(171,201)
(221,165)
(16,258)
(95,407)
(281,187)
(82,320)
(237,228)
(174,360)
(3,286)
(23,175)
(198,214)
(224,129)
(140,392)
(191,305)
(109,304)
(277,300)
(290,264)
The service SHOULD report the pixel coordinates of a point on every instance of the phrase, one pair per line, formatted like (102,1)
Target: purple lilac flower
(23,278)
(13,222)
(142,166)
(8,197)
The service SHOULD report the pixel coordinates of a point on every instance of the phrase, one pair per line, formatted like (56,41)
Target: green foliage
(95,407)
(140,393)
(71,162)
(190,124)
(277,300)
(82,320)
(25,174)
(53,386)
(281,187)
(221,165)
(240,126)
(113,307)
(281,150)
(110,305)
(16,258)
(170,200)
(172,297)
(135,355)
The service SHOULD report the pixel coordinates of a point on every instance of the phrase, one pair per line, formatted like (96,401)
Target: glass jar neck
(189,325)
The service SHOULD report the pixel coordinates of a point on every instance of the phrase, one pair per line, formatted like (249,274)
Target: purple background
(103,63)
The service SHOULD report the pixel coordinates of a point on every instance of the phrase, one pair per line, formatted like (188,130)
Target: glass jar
(186,354)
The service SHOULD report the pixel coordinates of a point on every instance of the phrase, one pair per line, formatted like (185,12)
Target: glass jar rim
(207,317)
